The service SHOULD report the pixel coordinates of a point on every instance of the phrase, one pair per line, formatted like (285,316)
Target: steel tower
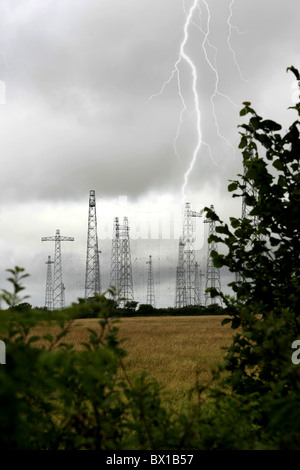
(150,286)
(189,254)
(62,295)
(180,298)
(245,213)
(126,281)
(185,273)
(58,298)
(121,268)
(213,278)
(92,273)
(116,258)
(98,272)
(198,285)
(49,285)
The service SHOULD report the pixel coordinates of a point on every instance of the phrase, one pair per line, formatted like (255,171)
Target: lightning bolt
(183,56)
(214,69)
(229,37)
(175,71)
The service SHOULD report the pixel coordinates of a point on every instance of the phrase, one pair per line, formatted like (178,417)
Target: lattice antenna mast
(92,273)
(189,254)
(115,269)
(213,277)
(49,285)
(121,268)
(62,298)
(198,285)
(126,281)
(150,286)
(98,271)
(180,297)
(57,284)
(251,191)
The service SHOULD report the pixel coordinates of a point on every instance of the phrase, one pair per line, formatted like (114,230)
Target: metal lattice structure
(115,258)
(49,285)
(189,254)
(121,268)
(62,295)
(245,212)
(250,191)
(213,277)
(150,285)
(126,281)
(92,272)
(58,291)
(180,298)
(185,273)
(198,285)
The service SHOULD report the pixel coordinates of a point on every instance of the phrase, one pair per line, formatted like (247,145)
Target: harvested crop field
(171,349)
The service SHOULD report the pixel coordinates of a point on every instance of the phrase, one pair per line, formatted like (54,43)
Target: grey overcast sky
(83,106)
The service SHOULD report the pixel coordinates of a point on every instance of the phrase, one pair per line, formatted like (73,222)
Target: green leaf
(234,222)
(270,125)
(48,337)
(243,142)
(255,122)
(214,238)
(278,164)
(33,339)
(232,186)
(294,70)
(222,229)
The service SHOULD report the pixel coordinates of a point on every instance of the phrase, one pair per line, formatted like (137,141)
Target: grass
(173,350)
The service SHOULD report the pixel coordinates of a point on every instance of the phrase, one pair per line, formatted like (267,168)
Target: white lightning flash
(229,37)
(195,95)
(175,72)
(214,69)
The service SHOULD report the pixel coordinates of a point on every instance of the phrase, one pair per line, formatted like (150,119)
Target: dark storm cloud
(79,78)
(79,75)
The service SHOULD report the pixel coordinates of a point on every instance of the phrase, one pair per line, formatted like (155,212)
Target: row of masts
(189,285)
(189,290)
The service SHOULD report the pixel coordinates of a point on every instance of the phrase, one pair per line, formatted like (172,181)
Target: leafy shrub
(263,248)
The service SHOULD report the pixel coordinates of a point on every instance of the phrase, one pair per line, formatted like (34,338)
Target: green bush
(263,248)
(56,397)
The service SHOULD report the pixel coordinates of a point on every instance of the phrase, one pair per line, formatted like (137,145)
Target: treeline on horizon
(145,310)
(134,309)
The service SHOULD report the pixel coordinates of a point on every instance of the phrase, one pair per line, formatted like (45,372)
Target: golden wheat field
(171,349)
